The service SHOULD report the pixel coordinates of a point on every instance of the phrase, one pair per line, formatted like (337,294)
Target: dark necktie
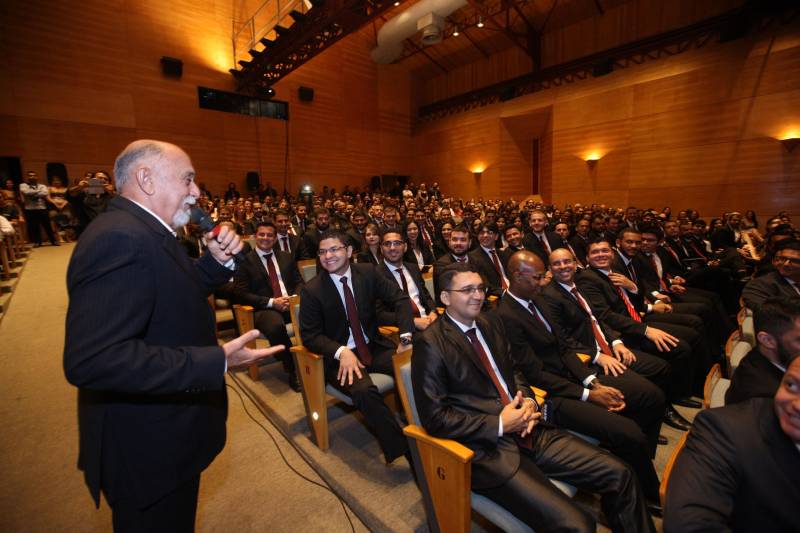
(414,306)
(355,324)
(631,271)
(499,269)
(598,334)
(697,250)
(535,313)
(273,277)
(634,314)
(501,391)
(544,243)
(285,244)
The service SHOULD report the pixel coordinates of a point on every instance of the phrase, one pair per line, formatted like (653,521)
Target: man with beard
(310,243)
(458,245)
(777,325)
(784,282)
(580,241)
(141,345)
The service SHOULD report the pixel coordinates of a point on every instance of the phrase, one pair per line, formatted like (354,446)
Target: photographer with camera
(90,197)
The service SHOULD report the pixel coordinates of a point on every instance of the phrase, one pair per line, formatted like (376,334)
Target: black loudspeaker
(253,180)
(171,67)
(306,94)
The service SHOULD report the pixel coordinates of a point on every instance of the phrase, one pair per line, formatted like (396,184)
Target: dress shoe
(662,440)
(674,420)
(688,402)
(294,382)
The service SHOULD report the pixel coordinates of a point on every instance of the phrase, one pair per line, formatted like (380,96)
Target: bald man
(141,345)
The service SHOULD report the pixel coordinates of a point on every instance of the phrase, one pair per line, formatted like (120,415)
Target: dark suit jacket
(755,377)
(295,245)
(356,238)
(559,355)
(141,346)
(251,280)
(481,259)
(606,304)
(387,317)
(456,398)
(571,320)
(580,245)
(770,285)
(438,266)
(323,320)
(532,243)
(310,243)
(738,472)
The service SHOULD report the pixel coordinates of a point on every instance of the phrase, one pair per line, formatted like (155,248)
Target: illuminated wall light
(790,143)
(455,33)
(480,22)
(396,4)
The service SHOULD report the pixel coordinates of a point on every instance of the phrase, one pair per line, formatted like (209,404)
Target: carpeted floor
(248,488)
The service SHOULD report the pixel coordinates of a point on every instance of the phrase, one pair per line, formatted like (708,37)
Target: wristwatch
(405,340)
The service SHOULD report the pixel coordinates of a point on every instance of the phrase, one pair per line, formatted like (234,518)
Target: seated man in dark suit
(740,467)
(608,299)
(287,239)
(311,237)
(607,401)
(492,262)
(784,283)
(265,280)
(466,388)
(514,238)
(458,245)
(539,240)
(409,279)
(580,241)
(777,325)
(338,321)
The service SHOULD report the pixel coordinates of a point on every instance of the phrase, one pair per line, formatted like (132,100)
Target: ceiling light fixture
(480,22)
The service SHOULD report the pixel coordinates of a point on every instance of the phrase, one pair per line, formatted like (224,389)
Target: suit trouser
(717,313)
(174,513)
(369,401)
(272,324)
(679,359)
(35,218)
(690,329)
(532,498)
(619,434)
(644,400)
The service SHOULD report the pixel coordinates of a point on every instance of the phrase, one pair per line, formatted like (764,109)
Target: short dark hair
(653,229)
(394,230)
(789,244)
(267,223)
(598,240)
(776,316)
(281,212)
(488,227)
(628,229)
(461,228)
(321,211)
(446,275)
(335,234)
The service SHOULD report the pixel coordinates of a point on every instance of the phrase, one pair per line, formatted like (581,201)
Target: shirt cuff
(339,352)
(614,343)
(585,395)
(269,303)
(589,379)
(649,308)
(230,264)
(500,426)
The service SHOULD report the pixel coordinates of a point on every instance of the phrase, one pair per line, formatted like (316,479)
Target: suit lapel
(458,337)
(495,343)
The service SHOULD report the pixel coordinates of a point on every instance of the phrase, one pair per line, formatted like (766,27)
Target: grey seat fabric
(382,381)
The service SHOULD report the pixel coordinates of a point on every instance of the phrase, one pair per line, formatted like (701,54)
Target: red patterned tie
(355,324)
(499,269)
(598,334)
(628,305)
(414,306)
(273,277)
(527,442)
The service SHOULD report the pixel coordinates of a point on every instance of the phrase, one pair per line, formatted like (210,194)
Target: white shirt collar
(461,326)
(567,287)
(347,275)
(523,303)
(156,217)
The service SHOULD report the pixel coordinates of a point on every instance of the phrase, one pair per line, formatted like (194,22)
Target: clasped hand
(520,416)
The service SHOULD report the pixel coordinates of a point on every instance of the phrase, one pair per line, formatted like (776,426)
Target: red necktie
(285,244)
(696,250)
(273,277)
(598,334)
(414,306)
(545,244)
(355,324)
(487,365)
(499,269)
(673,252)
(660,279)
(535,313)
(628,305)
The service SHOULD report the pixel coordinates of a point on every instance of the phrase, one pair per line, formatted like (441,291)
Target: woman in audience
(416,251)
(442,238)
(61,216)
(750,220)
(232,193)
(371,253)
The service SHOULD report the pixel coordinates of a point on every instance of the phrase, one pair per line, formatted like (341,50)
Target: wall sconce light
(477,175)
(592,159)
(480,22)
(790,143)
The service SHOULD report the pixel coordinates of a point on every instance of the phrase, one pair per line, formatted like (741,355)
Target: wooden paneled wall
(82,79)
(695,130)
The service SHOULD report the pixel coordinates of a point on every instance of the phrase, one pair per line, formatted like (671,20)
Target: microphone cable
(283,457)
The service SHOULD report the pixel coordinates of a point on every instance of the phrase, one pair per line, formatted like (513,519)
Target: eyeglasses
(467,291)
(783,259)
(333,249)
(389,244)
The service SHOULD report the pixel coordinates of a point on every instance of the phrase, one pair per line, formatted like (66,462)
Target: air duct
(427,15)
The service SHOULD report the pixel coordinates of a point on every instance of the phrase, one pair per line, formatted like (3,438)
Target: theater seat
(715,388)
(662,489)
(444,470)
(308,268)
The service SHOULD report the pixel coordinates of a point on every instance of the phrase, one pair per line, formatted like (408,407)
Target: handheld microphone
(206,225)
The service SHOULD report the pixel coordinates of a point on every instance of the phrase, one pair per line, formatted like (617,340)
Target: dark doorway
(11,168)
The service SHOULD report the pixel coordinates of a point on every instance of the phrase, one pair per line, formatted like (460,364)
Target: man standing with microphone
(141,345)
